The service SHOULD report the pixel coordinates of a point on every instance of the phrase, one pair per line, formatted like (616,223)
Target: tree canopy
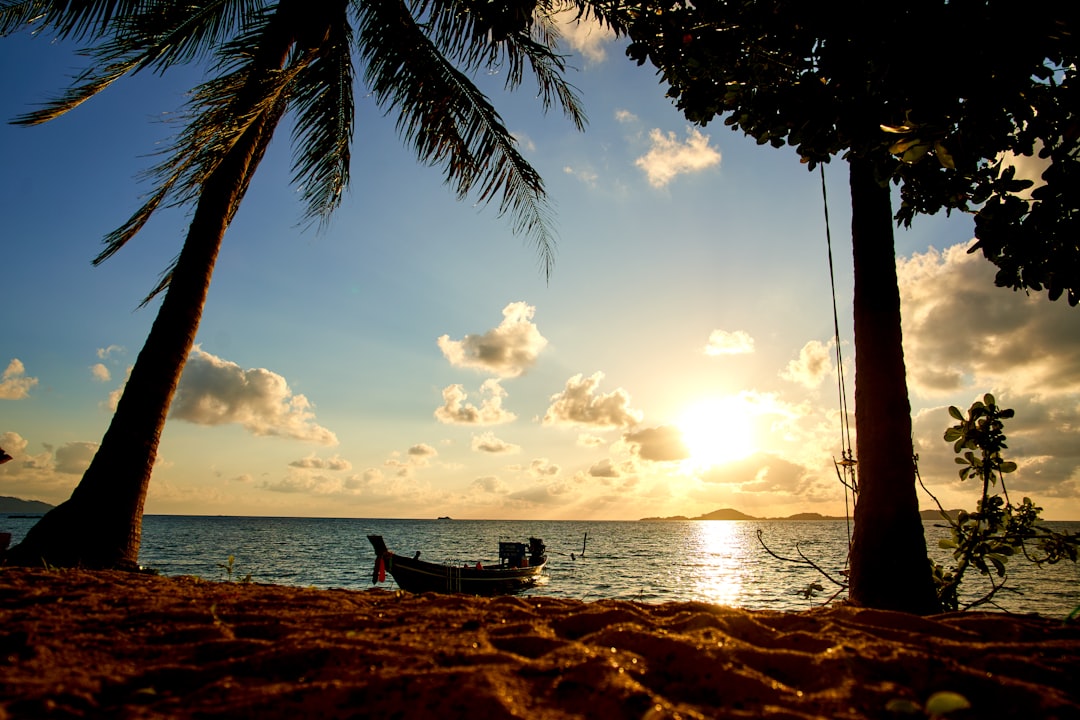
(943,98)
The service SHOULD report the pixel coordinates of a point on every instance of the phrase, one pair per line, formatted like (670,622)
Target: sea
(747,564)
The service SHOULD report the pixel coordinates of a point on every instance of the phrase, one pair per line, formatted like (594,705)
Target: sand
(113,644)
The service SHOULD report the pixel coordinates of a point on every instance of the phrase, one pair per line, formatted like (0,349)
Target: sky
(412,360)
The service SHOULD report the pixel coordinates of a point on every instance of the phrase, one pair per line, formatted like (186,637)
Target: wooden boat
(519,568)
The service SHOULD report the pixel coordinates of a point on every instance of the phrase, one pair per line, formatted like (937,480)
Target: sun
(718,430)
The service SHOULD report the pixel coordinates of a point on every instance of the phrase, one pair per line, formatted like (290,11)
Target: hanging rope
(845,467)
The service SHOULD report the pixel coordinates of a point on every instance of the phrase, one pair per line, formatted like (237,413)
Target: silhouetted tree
(270,59)
(931,95)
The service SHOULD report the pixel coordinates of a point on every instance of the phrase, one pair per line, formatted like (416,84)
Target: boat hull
(419,576)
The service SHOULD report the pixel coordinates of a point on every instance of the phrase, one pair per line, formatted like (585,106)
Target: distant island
(10,505)
(732,514)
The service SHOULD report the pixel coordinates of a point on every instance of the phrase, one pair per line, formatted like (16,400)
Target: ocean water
(710,561)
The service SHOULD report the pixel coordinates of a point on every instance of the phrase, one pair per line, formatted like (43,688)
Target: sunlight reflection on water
(719,574)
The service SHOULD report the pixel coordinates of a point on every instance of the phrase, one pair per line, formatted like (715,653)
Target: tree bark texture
(889,565)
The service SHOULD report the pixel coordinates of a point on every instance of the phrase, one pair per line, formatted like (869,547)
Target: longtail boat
(520,566)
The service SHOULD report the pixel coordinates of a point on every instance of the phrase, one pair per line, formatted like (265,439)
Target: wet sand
(110,644)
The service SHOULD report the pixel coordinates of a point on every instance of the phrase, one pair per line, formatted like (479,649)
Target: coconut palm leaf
(448,121)
(322,136)
(155,36)
(77,18)
(220,111)
(505,37)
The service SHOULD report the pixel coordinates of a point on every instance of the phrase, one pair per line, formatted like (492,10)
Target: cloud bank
(668,158)
(508,350)
(214,391)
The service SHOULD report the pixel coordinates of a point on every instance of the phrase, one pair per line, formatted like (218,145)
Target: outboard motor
(537,551)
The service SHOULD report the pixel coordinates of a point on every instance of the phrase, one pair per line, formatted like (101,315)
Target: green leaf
(944,157)
(903,707)
(953,433)
(915,153)
(946,543)
(945,702)
(955,412)
(1007,467)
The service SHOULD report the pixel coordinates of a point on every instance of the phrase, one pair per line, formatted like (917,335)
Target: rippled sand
(106,644)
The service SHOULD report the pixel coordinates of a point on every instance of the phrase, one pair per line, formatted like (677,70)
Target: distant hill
(732,514)
(725,514)
(10,505)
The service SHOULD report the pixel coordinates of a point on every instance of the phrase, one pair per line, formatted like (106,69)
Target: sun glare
(718,431)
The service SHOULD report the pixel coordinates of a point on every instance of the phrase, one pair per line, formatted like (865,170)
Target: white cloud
(812,366)
(587,176)
(625,116)
(587,37)
(115,395)
(659,444)
(507,351)
(421,453)
(524,141)
(105,352)
(543,468)
(489,484)
(417,456)
(578,405)
(305,483)
(488,443)
(49,475)
(604,469)
(963,336)
(311,462)
(961,333)
(73,458)
(722,342)
(14,384)
(667,157)
(214,391)
(455,411)
(100,373)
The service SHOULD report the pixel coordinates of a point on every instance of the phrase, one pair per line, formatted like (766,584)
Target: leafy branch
(809,590)
(998,529)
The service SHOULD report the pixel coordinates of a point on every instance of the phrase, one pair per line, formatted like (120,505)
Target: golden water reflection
(722,554)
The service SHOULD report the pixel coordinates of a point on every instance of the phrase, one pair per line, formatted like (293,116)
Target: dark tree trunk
(100,525)
(889,565)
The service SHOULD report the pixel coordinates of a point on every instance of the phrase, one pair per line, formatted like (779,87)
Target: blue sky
(411,360)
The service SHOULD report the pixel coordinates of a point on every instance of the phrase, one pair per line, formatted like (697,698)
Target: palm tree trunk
(100,525)
(889,565)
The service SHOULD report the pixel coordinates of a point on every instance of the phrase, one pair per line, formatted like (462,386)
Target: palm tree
(271,59)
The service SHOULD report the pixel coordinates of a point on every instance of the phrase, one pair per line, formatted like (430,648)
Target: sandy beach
(111,644)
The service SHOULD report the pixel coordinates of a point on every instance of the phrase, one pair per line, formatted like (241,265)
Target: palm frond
(159,37)
(86,86)
(74,18)
(448,121)
(220,111)
(324,128)
(172,33)
(507,37)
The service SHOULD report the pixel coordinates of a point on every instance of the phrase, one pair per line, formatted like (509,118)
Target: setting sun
(718,430)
